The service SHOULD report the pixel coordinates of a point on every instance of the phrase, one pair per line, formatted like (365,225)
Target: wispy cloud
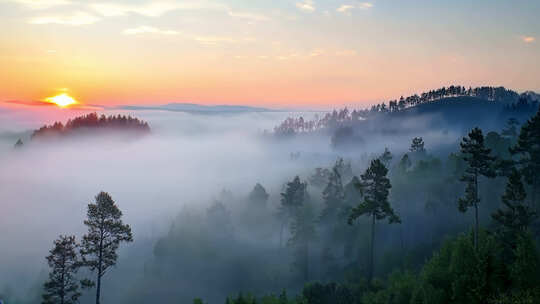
(148,30)
(248,16)
(306,5)
(42,4)
(347,8)
(75,19)
(216,40)
(153,9)
(528,39)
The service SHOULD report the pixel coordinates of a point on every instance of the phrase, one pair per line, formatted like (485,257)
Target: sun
(63,100)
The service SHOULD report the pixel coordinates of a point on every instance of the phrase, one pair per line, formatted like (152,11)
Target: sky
(279,53)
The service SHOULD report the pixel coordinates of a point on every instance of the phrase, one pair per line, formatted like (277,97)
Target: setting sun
(63,100)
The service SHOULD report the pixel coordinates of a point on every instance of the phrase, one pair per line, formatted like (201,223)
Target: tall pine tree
(105,233)
(376,188)
(479,163)
(62,286)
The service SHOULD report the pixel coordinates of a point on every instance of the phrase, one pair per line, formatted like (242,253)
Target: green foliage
(458,273)
(525,271)
(332,293)
(399,290)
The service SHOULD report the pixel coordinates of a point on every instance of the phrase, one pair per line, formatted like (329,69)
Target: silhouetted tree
(105,233)
(62,286)
(479,164)
(302,235)
(375,203)
(258,196)
(515,217)
(528,150)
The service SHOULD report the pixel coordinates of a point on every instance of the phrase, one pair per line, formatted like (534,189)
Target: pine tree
(333,196)
(258,196)
(386,157)
(404,163)
(515,217)
(479,163)
(528,149)
(375,202)
(302,235)
(62,286)
(105,233)
(417,146)
(291,199)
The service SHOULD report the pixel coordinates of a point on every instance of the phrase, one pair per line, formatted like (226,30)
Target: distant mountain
(197,108)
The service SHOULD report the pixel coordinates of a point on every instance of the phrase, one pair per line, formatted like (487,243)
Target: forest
(417,222)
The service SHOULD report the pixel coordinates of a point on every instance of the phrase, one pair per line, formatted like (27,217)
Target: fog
(170,177)
(186,161)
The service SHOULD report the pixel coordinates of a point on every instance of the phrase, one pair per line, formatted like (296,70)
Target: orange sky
(282,53)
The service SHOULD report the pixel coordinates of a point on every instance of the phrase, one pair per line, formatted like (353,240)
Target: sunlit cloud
(347,8)
(306,5)
(528,39)
(42,4)
(154,9)
(76,19)
(148,30)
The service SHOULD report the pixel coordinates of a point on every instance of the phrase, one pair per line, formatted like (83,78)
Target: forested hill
(92,124)
(454,106)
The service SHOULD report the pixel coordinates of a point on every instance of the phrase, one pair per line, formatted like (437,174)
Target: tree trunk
(281,234)
(372,249)
(100,261)
(306,270)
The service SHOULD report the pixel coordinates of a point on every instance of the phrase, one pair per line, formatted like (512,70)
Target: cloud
(42,4)
(248,16)
(154,9)
(347,8)
(528,39)
(148,30)
(306,5)
(215,40)
(76,19)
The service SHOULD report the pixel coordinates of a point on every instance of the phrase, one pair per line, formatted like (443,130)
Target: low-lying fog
(186,161)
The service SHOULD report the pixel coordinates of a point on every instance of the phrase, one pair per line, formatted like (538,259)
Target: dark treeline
(92,121)
(510,99)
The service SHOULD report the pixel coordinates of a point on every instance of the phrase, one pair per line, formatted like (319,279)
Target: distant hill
(197,108)
(453,107)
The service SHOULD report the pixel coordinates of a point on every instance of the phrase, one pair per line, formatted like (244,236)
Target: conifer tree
(291,199)
(105,233)
(479,163)
(528,150)
(375,202)
(302,235)
(62,286)
(417,146)
(333,196)
(386,157)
